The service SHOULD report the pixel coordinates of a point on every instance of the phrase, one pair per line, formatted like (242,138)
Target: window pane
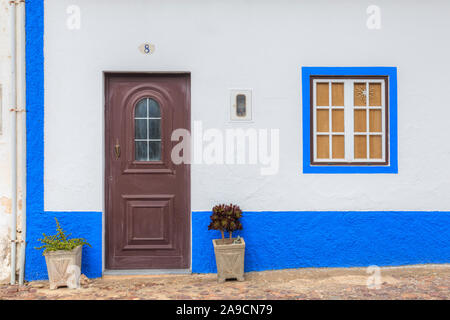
(375,94)
(375,120)
(146,129)
(323,147)
(360,147)
(323,121)
(332,109)
(337,94)
(141,109)
(337,120)
(360,124)
(322,97)
(154,129)
(359,94)
(141,150)
(338,147)
(153,109)
(375,147)
(154,150)
(140,129)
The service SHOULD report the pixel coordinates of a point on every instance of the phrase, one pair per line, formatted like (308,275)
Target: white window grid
(148,140)
(349,133)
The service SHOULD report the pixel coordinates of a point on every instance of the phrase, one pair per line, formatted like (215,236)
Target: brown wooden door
(147,195)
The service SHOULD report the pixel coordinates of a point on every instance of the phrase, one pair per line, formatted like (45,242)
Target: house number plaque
(147,48)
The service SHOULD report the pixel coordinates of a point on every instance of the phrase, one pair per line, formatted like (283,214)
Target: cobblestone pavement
(411,282)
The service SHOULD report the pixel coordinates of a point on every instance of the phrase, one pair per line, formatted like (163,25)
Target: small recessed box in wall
(241,105)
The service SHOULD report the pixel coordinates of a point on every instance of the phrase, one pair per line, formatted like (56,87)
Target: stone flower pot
(229,259)
(64,268)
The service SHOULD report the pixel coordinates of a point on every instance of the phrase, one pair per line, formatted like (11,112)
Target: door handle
(117,149)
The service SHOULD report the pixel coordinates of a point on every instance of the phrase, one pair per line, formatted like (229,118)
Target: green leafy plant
(60,241)
(226,218)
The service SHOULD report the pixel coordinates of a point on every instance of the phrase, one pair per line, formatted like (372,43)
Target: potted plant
(63,258)
(230,251)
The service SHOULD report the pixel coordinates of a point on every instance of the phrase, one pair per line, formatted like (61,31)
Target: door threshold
(145,272)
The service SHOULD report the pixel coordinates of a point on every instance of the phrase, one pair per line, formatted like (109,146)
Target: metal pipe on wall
(23,151)
(13,129)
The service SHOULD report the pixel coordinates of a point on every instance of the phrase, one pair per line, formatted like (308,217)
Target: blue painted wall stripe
(278,240)
(34,28)
(79,224)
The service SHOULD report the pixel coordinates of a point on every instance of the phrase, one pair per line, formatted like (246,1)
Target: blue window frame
(391,131)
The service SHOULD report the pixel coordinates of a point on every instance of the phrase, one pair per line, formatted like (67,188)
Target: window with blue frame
(349,119)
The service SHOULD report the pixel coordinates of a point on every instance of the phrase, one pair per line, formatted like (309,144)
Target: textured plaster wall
(250,44)
(85,224)
(259,45)
(79,224)
(5,140)
(5,145)
(5,187)
(277,240)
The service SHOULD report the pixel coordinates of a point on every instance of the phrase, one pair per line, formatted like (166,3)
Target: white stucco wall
(260,45)
(5,187)
(5,142)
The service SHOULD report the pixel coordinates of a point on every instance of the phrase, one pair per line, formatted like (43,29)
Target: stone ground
(410,282)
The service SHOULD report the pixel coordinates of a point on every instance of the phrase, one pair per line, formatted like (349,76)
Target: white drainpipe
(17,96)
(13,142)
(22,99)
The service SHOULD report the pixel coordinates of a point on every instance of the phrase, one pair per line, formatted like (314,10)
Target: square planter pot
(229,259)
(64,268)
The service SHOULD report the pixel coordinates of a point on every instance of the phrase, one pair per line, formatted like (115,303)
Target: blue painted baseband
(80,225)
(279,240)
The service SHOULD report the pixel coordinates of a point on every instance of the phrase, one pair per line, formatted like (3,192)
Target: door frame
(105,132)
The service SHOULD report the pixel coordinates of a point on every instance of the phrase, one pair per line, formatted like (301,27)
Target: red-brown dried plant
(226,218)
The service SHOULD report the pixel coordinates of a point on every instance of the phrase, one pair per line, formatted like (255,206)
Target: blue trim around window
(391,72)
